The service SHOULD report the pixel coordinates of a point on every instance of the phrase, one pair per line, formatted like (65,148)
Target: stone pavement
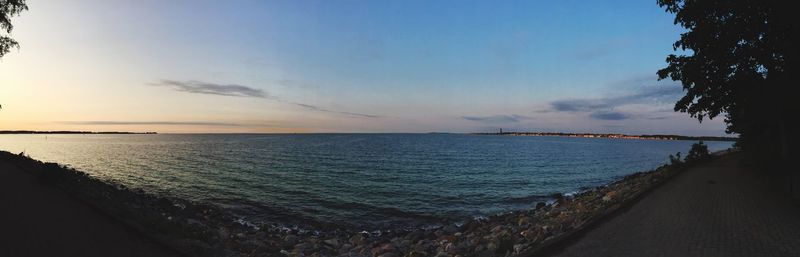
(716,209)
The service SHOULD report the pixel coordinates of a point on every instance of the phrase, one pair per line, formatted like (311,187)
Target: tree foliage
(8,9)
(738,59)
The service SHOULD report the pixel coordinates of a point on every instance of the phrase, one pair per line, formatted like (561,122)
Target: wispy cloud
(609,108)
(168,123)
(320,109)
(650,94)
(497,118)
(199,87)
(609,115)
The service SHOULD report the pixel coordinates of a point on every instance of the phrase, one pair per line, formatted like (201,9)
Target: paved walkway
(717,209)
(39,220)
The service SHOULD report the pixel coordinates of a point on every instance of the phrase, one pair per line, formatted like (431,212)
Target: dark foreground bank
(37,219)
(201,230)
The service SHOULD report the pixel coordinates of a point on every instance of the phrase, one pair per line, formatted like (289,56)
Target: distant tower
(501,130)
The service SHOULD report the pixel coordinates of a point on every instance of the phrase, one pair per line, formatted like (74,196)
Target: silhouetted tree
(9,8)
(739,59)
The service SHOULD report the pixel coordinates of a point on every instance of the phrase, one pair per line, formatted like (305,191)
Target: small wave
(390,213)
(524,199)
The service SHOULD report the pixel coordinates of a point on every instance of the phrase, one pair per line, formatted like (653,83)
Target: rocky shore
(203,230)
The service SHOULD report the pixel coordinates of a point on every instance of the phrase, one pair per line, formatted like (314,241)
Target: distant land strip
(70,132)
(623,136)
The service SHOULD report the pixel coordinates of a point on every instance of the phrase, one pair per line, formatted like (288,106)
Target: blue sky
(344,66)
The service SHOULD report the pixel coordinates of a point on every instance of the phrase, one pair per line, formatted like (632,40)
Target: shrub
(675,160)
(698,152)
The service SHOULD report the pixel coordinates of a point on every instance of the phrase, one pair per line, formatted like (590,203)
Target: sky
(343,66)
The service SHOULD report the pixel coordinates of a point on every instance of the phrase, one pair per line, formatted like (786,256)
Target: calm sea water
(364,180)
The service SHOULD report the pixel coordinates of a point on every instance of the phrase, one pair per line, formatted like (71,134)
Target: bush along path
(203,230)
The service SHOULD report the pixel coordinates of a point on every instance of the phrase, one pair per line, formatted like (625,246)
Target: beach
(199,230)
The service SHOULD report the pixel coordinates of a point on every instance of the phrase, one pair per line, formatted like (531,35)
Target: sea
(369,181)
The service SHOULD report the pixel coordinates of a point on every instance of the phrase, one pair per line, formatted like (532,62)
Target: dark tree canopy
(739,59)
(738,62)
(735,47)
(8,9)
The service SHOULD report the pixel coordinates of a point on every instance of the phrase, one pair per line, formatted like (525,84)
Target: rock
(506,245)
(290,240)
(385,248)
(563,217)
(491,246)
(530,233)
(540,205)
(303,247)
(518,248)
(296,253)
(524,221)
(415,235)
(333,242)
(416,254)
(357,239)
(240,235)
(486,253)
(450,229)
(194,222)
(389,254)
(610,196)
(447,239)
(224,233)
(448,247)
(471,225)
(558,197)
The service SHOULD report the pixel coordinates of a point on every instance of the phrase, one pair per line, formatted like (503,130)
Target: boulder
(333,242)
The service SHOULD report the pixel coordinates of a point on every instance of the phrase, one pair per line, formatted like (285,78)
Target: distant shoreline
(12,132)
(544,134)
(621,136)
